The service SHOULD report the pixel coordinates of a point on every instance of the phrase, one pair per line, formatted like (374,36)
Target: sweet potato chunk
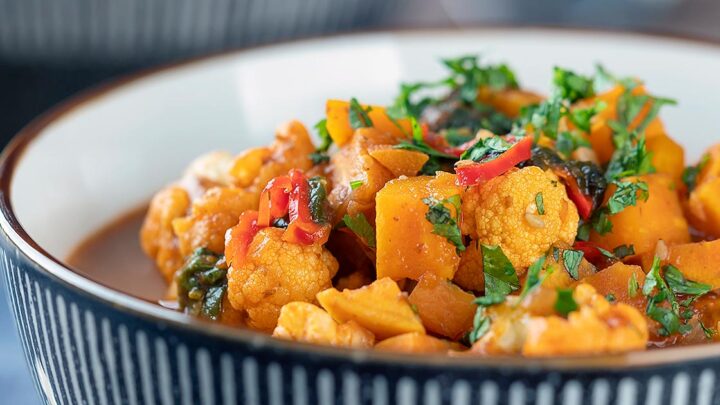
(508,101)
(338,122)
(704,206)
(406,244)
(696,261)
(642,225)
(399,161)
(305,322)
(668,157)
(445,309)
(616,280)
(380,307)
(469,274)
(414,343)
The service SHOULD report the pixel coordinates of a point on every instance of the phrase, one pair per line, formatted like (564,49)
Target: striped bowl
(98,155)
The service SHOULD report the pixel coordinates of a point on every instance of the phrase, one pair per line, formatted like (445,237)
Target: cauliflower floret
(595,327)
(275,273)
(255,167)
(305,322)
(156,235)
(211,216)
(508,214)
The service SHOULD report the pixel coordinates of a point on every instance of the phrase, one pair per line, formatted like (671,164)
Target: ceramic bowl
(106,151)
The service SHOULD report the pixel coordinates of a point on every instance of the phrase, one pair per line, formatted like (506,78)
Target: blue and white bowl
(107,151)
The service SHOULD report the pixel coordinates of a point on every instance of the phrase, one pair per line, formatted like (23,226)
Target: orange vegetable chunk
(642,225)
(414,343)
(445,309)
(340,130)
(406,244)
(379,307)
(616,280)
(696,261)
(668,156)
(704,205)
(400,162)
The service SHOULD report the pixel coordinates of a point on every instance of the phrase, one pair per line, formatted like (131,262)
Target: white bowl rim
(56,269)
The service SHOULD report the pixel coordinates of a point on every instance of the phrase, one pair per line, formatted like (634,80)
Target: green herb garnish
(691,173)
(624,251)
(539,203)
(361,227)
(443,220)
(202,283)
(359,117)
(500,276)
(633,286)
(565,302)
(355,184)
(571,262)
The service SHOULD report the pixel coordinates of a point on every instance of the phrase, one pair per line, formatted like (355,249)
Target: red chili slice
(239,237)
(583,202)
(476,172)
(274,200)
(302,228)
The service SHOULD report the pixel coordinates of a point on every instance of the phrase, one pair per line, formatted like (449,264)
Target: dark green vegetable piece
(319,206)
(202,283)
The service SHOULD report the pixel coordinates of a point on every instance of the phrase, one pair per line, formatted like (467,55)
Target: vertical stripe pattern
(81,351)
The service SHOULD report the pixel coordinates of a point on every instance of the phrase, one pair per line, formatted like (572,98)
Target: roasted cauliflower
(525,212)
(276,272)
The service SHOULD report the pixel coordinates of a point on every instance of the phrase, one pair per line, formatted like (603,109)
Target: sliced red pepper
(302,228)
(584,203)
(274,200)
(469,174)
(239,237)
(591,252)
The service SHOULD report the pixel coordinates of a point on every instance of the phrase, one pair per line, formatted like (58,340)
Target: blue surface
(15,384)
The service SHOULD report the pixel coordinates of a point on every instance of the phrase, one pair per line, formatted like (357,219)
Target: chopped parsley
(320,155)
(436,158)
(443,221)
(539,203)
(572,86)
(582,117)
(533,279)
(361,227)
(486,149)
(709,333)
(568,141)
(611,298)
(355,184)
(202,284)
(565,303)
(624,251)
(633,286)
(571,262)
(661,290)
(690,174)
(359,117)
(481,325)
(468,75)
(500,276)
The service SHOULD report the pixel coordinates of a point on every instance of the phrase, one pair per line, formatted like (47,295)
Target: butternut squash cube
(668,156)
(340,130)
(704,206)
(406,244)
(414,343)
(617,280)
(642,225)
(399,161)
(696,261)
(379,307)
(445,309)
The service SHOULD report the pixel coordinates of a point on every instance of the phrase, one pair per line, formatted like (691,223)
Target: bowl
(105,152)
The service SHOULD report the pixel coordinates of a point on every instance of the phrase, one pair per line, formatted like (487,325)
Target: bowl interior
(108,153)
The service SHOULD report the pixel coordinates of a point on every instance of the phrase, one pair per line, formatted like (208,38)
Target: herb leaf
(680,285)
(571,85)
(442,220)
(533,277)
(539,203)
(359,117)
(500,276)
(565,302)
(571,262)
(633,286)
(361,227)
(354,184)
(690,174)
(319,206)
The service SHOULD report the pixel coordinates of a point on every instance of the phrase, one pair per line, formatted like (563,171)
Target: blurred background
(52,49)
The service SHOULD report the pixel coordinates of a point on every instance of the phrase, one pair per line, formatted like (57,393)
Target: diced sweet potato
(338,122)
(616,280)
(305,322)
(704,206)
(642,225)
(668,156)
(556,276)
(406,244)
(696,261)
(380,307)
(399,161)
(414,343)
(508,101)
(445,309)
(469,274)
